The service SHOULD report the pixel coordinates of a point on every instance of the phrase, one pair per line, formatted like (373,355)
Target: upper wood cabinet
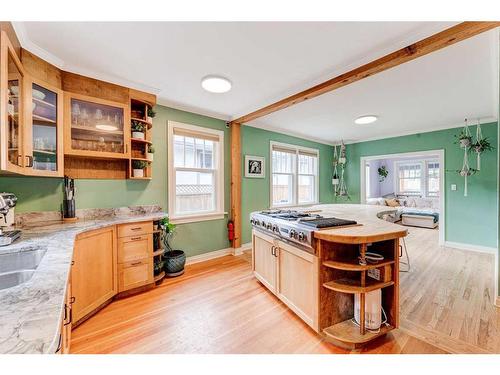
(43,135)
(12,98)
(95,127)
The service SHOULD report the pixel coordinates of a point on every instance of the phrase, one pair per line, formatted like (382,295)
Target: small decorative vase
(335,181)
(138,135)
(138,172)
(150,156)
(464,142)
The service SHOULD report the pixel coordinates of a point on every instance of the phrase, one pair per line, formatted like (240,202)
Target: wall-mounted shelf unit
(139,147)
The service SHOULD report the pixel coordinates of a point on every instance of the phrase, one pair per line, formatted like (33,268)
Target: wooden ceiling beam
(423,47)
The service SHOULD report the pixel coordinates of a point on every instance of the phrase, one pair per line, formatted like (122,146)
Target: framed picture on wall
(255,166)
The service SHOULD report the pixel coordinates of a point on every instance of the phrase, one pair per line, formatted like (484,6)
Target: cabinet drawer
(134,229)
(135,247)
(135,274)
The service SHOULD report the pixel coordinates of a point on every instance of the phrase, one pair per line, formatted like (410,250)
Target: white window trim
(424,177)
(296,180)
(218,213)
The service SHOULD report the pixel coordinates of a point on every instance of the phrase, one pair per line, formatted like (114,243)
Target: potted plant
(150,153)
(335,179)
(174,259)
(482,145)
(138,167)
(137,129)
(382,173)
(464,139)
(151,113)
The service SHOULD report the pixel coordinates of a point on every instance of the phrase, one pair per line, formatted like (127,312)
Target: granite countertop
(31,313)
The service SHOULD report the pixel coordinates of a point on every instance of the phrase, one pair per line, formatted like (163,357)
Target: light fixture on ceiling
(108,128)
(367,119)
(216,84)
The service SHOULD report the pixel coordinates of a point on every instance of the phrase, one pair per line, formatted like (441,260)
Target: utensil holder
(69,211)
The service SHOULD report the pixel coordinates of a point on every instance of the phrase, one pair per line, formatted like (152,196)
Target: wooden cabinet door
(264,261)
(135,248)
(43,130)
(135,274)
(94,275)
(297,284)
(12,108)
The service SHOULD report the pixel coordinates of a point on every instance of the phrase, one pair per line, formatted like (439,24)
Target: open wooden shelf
(159,252)
(160,276)
(140,178)
(353,265)
(140,141)
(150,125)
(348,332)
(354,286)
(143,159)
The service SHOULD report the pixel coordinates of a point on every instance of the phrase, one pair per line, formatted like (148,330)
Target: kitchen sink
(17,268)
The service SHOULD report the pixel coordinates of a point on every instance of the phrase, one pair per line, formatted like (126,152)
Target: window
(410,179)
(418,178)
(294,178)
(195,172)
(433,179)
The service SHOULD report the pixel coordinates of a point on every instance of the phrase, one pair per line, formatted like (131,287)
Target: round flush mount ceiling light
(216,84)
(368,119)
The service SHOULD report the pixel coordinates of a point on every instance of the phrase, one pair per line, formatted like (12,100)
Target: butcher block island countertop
(321,287)
(369,229)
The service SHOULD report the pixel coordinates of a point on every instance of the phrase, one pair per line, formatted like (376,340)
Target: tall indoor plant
(175,260)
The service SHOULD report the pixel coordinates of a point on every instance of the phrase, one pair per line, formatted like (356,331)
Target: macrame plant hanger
(335,179)
(479,138)
(465,143)
(342,190)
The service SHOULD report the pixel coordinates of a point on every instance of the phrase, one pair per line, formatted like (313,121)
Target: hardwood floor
(448,297)
(219,307)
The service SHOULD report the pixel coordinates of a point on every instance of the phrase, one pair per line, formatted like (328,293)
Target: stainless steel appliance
(294,226)
(7,203)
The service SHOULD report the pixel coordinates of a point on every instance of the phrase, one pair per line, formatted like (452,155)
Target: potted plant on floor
(150,153)
(137,129)
(174,259)
(138,167)
(150,115)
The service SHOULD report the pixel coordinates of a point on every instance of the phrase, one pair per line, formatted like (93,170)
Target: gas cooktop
(294,226)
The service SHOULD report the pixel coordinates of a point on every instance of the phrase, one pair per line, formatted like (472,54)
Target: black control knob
(269,226)
(263,223)
(302,236)
(275,228)
(292,233)
(252,221)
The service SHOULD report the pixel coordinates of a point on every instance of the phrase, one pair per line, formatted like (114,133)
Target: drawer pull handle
(136,228)
(135,238)
(135,263)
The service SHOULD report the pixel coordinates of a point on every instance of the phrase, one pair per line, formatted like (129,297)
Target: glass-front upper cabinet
(44,133)
(11,107)
(96,127)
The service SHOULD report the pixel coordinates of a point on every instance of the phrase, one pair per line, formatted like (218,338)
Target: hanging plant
(482,145)
(382,173)
(342,157)
(464,139)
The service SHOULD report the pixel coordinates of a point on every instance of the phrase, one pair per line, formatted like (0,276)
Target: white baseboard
(465,246)
(210,255)
(242,248)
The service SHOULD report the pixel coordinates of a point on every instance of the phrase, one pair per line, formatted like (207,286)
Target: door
(12,91)
(297,284)
(95,127)
(264,259)
(94,275)
(44,154)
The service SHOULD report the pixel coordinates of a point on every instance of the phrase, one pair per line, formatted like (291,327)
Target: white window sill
(197,217)
(294,205)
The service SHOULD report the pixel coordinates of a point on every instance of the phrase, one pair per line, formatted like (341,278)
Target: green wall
(469,220)
(255,193)
(45,194)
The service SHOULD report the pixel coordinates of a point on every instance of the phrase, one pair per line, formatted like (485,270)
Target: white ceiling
(268,61)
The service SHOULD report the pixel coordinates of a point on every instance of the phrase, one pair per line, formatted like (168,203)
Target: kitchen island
(31,313)
(320,282)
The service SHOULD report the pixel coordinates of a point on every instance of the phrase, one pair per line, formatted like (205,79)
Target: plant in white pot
(150,153)
(137,129)
(138,167)
(151,113)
